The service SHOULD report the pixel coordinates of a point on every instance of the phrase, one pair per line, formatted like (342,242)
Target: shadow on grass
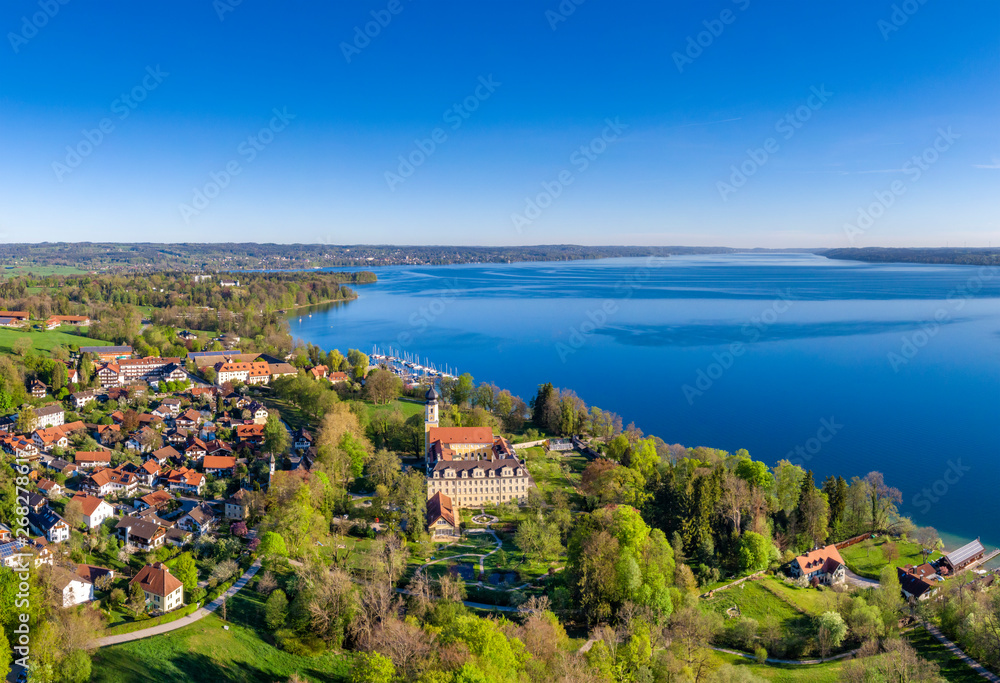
(202,668)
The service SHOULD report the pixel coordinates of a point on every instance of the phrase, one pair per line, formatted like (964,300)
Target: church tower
(430,418)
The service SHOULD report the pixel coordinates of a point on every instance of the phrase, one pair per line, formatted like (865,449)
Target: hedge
(156,621)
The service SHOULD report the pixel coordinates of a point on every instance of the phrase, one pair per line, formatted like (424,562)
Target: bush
(761,655)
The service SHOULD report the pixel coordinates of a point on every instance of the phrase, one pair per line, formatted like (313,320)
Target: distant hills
(948,255)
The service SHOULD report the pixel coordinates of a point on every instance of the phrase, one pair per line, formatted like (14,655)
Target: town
(156,490)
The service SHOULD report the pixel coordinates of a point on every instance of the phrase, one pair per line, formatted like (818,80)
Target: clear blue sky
(555,80)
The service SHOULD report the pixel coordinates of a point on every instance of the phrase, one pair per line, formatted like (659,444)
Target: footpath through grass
(207,651)
(930,648)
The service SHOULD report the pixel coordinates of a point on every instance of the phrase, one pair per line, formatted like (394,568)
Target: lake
(841,366)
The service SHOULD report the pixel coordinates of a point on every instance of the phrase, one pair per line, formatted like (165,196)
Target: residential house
(87,460)
(110,375)
(218,465)
(48,438)
(161,456)
(338,377)
(148,472)
(62,466)
(303,439)
(189,419)
(92,572)
(441,522)
(173,372)
(252,434)
(141,533)
(185,481)
(141,441)
(820,566)
(52,415)
(104,482)
(23,552)
(95,510)
(915,582)
(38,389)
(82,398)
(258,413)
(196,449)
(319,371)
(178,537)
(200,520)
(157,500)
(47,523)
(108,435)
(164,591)
(19,447)
(75,589)
(237,505)
(49,488)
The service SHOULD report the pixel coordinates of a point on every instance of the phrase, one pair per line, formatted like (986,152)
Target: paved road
(184,621)
(860,581)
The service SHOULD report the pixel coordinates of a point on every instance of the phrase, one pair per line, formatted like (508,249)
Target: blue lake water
(858,366)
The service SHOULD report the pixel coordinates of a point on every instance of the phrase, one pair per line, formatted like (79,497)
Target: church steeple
(430,417)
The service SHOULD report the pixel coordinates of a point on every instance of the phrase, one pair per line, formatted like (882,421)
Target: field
(11,271)
(206,651)
(44,340)
(870,564)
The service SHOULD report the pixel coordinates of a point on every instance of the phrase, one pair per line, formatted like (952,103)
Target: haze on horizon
(548,122)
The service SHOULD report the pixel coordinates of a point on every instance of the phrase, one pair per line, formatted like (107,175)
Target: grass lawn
(869,564)
(45,340)
(754,600)
(809,600)
(407,408)
(205,651)
(828,672)
(928,647)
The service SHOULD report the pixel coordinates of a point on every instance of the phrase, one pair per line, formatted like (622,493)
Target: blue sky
(662,121)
